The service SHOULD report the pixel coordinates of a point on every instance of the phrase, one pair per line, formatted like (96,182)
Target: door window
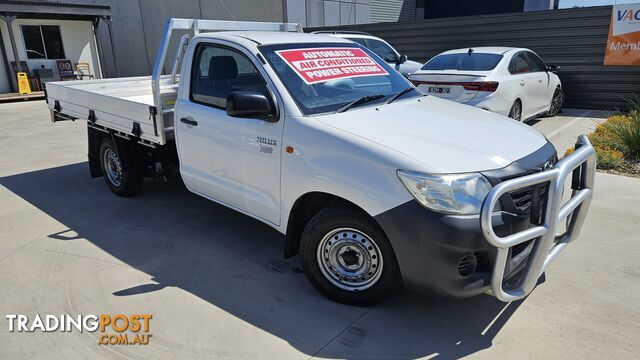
(359,41)
(218,71)
(381,49)
(534,61)
(519,64)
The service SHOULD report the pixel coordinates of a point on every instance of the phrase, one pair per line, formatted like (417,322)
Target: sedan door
(234,161)
(527,84)
(543,90)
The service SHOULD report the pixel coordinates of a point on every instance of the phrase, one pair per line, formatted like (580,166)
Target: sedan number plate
(439,90)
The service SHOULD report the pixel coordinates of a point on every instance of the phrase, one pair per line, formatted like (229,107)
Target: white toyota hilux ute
(373,184)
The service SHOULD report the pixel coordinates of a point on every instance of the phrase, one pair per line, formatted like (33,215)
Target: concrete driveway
(217,286)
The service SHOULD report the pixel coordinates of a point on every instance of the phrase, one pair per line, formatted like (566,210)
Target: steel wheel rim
(515,111)
(349,259)
(112,167)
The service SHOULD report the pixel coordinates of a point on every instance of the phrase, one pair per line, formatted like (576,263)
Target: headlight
(460,194)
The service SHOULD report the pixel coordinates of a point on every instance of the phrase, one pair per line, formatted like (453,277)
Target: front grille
(523,198)
(517,249)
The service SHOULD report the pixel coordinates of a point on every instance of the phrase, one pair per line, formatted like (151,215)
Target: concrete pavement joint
(569,124)
(340,333)
(86,257)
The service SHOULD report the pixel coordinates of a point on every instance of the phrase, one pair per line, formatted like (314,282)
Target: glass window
(358,40)
(220,71)
(329,96)
(33,42)
(519,64)
(381,49)
(534,61)
(43,41)
(52,41)
(464,61)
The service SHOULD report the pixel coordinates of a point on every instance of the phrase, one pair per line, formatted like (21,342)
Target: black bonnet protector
(532,163)
(530,201)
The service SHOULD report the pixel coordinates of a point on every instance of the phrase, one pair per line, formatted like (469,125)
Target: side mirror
(250,104)
(403,58)
(552,68)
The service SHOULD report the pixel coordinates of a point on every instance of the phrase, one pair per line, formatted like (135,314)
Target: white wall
(78,42)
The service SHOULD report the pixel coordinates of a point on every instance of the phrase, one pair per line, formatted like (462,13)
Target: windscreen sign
(323,64)
(623,43)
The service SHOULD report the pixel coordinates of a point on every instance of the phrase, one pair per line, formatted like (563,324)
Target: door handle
(189,121)
(521,82)
(540,80)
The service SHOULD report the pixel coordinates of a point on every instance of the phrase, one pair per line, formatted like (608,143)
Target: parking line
(563,127)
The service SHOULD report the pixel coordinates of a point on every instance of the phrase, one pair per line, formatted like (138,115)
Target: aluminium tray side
(116,103)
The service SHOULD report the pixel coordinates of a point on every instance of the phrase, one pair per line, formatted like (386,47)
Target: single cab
(372,184)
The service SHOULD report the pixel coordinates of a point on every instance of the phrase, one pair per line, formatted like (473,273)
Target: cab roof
(275,37)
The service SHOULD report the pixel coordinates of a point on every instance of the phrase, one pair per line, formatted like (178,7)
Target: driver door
(234,161)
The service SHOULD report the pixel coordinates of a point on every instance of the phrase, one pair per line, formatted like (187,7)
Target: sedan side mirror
(250,104)
(552,68)
(403,58)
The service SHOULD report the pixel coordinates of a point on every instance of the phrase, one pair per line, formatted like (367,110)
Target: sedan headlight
(459,194)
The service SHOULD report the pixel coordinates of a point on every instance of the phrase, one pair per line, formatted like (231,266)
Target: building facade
(47,42)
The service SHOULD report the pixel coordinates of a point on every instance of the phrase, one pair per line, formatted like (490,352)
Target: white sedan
(513,82)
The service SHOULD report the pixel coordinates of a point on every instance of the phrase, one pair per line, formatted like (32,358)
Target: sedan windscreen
(464,61)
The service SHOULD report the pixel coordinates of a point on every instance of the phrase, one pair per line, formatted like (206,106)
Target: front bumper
(510,252)
(431,249)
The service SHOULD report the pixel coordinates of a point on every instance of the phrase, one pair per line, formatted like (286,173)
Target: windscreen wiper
(396,96)
(359,101)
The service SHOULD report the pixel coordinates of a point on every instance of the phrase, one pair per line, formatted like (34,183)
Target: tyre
(556,102)
(121,182)
(516,111)
(348,258)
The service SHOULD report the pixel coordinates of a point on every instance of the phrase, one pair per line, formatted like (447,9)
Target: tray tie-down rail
(581,165)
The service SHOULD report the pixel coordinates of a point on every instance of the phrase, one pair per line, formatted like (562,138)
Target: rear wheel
(121,182)
(348,258)
(516,111)
(556,102)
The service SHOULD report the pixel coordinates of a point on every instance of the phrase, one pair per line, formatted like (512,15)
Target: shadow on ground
(236,264)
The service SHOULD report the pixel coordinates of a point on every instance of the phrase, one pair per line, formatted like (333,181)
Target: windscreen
(464,61)
(324,77)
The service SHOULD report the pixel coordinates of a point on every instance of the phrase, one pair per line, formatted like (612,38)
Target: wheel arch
(304,208)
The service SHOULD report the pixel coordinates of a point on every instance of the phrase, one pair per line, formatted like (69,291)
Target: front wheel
(556,102)
(348,258)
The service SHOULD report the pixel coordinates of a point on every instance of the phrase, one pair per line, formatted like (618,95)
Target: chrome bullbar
(581,165)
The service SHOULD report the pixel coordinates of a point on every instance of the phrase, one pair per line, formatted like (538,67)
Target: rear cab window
(464,61)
